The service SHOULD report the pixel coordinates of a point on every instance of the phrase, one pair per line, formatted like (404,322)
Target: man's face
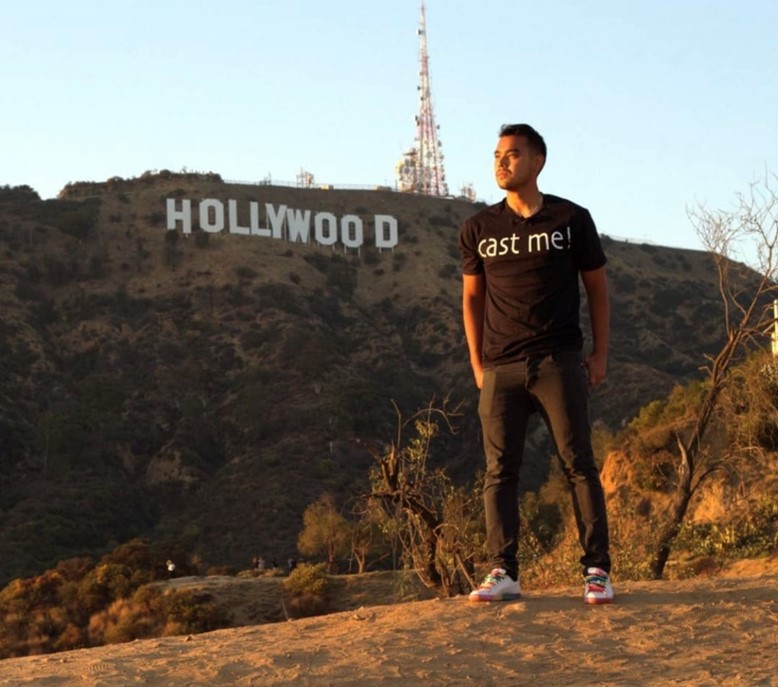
(515,165)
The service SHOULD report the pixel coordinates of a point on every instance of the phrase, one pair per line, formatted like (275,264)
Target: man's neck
(525,202)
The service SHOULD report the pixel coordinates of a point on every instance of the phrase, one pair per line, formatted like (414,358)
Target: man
(521,261)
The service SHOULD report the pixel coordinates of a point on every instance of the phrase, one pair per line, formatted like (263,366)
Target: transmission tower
(421,168)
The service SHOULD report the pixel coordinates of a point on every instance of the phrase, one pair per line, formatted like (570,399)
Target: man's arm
(473,297)
(596,284)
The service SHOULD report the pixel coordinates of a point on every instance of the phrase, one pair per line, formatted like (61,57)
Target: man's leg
(503,408)
(559,383)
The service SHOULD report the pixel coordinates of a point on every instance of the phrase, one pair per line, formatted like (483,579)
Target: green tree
(325,532)
(369,539)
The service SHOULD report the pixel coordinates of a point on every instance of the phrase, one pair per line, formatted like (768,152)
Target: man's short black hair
(534,139)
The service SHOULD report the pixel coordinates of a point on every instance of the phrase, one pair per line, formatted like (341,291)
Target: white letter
(184,215)
(299,224)
(235,228)
(277,220)
(491,248)
(537,238)
(256,230)
(331,236)
(381,238)
(218,210)
(558,238)
(346,222)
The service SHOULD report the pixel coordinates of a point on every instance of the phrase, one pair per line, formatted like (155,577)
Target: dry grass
(258,600)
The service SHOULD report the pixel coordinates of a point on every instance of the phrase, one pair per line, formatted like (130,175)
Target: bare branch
(744,245)
(417,500)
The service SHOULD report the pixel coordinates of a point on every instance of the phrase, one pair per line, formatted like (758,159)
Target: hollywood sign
(279,222)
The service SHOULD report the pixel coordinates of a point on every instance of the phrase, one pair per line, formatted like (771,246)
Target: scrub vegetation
(199,392)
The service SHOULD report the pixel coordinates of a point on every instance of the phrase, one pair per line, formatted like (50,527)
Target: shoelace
(491,580)
(596,583)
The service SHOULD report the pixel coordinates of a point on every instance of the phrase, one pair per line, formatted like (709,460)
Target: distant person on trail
(521,261)
(171,568)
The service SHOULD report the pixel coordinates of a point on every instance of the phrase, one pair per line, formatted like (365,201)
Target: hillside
(203,388)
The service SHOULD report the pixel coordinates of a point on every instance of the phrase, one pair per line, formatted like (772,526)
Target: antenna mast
(421,168)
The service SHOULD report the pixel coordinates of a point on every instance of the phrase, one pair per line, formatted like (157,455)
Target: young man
(521,261)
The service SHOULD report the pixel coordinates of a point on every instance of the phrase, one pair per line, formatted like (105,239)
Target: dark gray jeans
(557,386)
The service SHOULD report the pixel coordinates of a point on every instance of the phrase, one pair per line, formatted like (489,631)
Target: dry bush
(433,520)
(308,590)
(307,578)
(151,613)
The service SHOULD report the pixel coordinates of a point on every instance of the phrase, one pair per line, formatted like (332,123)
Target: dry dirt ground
(698,632)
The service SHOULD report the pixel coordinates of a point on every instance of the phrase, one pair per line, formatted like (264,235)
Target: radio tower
(421,168)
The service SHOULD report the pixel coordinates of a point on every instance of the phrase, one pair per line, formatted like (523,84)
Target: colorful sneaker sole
(595,600)
(500,597)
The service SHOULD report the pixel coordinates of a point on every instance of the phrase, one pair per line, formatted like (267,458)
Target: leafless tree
(435,519)
(743,242)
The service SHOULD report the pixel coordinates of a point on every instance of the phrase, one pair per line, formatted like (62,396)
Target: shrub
(342,276)
(103,584)
(440,221)
(156,218)
(448,271)
(201,238)
(74,218)
(308,584)
(317,261)
(308,578)
(150,613)
(245,273)
(746,537)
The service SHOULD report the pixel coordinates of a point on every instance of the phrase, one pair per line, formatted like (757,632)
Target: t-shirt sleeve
(587,247)
(468,249)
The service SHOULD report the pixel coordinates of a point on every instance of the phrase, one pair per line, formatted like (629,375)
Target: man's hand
(596,285)
(597,365)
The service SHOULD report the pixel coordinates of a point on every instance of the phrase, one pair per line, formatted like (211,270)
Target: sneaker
(597,587)
(498,586)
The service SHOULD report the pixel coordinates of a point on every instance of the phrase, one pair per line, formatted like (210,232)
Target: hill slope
(204,388)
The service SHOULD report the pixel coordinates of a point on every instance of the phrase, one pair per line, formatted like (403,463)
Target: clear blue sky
(647,108)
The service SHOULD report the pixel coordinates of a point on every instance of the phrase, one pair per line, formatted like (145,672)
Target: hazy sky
(647,108)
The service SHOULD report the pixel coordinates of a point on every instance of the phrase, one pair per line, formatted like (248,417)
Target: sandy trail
(706,631)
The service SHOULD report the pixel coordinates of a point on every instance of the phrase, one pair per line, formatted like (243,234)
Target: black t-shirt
(531,268)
